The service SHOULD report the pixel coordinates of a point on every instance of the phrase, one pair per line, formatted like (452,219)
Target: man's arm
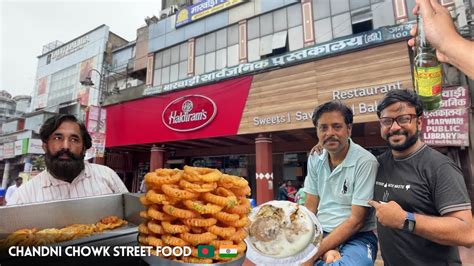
(452,229)
(312,202)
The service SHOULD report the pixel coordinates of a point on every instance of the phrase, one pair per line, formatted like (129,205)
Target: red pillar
(264,172)
(157,158)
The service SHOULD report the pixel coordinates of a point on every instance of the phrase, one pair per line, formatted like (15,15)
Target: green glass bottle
(427,71)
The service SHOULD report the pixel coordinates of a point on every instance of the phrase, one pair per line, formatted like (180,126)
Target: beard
(65,170)
(409,140)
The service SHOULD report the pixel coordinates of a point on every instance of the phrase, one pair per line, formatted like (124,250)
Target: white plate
(261,259)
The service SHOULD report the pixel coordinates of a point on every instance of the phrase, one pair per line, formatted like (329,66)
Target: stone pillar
(157,158)
(264,172)
(6,174)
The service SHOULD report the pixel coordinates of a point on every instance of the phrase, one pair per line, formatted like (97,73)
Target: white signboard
(35,146)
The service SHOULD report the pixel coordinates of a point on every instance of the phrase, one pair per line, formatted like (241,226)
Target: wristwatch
(410,222)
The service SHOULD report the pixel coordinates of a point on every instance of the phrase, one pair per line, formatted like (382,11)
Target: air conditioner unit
(130,64)
(168,11)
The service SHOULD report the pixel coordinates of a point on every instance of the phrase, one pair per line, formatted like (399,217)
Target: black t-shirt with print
(426,182)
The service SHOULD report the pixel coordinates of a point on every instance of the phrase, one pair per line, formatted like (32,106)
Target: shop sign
(35,146)
(21,147)
(449,125)
(70,48)
(365,107)
(189,113)
(1,152)
(334,47)
(203,9)
(9,150)
(98,145)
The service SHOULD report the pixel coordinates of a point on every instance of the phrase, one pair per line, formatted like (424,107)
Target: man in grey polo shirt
(339,184)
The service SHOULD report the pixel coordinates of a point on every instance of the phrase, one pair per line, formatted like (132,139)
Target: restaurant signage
(336,46)
(188,113)
(35,146)
(203,9)
(21,147)
(9,150)
(449,125)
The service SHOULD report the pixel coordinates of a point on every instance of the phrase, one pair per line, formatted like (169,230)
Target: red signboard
(208,111)
(188,113)
(449,125)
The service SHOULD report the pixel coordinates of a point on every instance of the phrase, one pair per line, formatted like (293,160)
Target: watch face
(411,225)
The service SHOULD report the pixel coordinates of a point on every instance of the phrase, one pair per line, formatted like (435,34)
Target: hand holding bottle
(442,35)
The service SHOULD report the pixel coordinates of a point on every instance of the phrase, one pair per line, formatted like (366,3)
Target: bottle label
(428,80)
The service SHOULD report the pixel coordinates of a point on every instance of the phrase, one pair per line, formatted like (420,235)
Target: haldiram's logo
(188,113)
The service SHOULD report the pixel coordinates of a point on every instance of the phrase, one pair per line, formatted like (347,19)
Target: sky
(27,25)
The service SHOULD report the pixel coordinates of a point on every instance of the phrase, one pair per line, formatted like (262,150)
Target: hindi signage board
(449,125)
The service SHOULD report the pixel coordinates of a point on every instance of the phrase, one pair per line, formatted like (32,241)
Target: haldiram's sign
(189,113)
(333,47)
(70,48)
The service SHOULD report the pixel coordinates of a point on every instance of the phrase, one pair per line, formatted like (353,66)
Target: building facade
(232,85)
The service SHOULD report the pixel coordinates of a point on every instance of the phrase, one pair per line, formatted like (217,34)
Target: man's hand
(331,256)
(389,214)
(317,149)
(437,24)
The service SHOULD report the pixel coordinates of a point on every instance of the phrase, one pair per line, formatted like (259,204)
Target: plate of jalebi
(195,206)
(48,236)
(282,233)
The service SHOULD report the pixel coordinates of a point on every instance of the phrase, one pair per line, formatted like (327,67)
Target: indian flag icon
(228,251)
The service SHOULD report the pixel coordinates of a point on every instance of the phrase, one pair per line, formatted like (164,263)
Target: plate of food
(282,233)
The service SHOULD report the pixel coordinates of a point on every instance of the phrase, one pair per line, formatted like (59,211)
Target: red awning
(208,111)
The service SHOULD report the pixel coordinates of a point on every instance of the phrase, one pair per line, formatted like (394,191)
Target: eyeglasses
(402,120)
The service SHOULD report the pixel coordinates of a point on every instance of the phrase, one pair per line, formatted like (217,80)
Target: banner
(449,125)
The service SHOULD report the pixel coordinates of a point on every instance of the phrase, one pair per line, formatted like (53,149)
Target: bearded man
(423,207)
(67,175)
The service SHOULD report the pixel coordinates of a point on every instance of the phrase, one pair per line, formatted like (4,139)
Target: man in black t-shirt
(421,202)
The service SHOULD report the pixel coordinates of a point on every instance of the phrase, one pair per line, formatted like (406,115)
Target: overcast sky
(27,25)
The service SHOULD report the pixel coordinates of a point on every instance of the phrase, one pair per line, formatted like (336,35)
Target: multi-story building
(232,85)
(58,89)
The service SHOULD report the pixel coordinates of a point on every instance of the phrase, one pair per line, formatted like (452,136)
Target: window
(362,26)
(48,59)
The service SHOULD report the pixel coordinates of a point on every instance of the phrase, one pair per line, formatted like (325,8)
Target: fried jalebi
(180,213)
(226,217)
(143,228)
(174,192)
(239,236)
(144,201)
(227,202)
(200,222)
(154,213)
(174,241)
(160,177)
(242,208)
(197,187)
(144,215)
(230,181)
(224,232)
(143,239)
(242,222)
(198,230)
(218,243)
(241,246)
(196,174)
(155,227)
(241,192)
(174,228)
(196,239)
(154,241)
(202,208)
(224,192)
(157,198)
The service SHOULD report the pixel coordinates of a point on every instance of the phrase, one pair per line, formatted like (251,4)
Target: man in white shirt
(11,189)
(67,175)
